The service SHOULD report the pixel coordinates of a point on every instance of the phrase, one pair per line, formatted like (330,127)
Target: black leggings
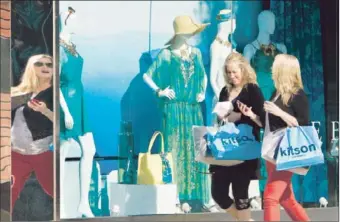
(220,183)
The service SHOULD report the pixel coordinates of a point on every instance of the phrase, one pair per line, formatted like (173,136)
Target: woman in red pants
(32,126)
(288,107)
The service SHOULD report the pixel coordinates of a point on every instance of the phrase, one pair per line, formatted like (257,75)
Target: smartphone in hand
(35,101)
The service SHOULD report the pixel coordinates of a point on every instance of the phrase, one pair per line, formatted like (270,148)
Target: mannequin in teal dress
(74,127)
(72,89)
(178,78)
(261,53)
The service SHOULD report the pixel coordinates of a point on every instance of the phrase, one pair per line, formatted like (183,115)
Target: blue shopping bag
(233,142)
(300,147)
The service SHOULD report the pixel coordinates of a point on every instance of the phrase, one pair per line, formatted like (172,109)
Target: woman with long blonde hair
(288,108)
(32,126)
(241,90)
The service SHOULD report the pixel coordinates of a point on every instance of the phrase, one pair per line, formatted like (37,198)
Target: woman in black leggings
(241,89)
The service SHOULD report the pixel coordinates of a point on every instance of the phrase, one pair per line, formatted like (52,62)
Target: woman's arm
(254,110)
(48,113)
(273,109)
(42,108)
(290,120)
(300,106)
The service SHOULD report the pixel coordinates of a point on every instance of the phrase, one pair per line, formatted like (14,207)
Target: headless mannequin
(86,141)
(219,51)
(266,23)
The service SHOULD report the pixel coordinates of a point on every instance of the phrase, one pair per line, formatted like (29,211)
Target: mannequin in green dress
(74,127)
(261,53)
(178,78)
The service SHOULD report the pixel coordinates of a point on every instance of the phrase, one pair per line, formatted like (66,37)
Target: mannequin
(220,49)
(178,78)
(74,131)
(261,53)
(263,50)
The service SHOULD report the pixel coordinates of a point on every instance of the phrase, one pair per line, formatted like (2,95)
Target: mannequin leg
(88,151)
(64,149)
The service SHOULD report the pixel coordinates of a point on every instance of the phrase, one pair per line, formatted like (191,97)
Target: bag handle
(303,132)
(267,127)
(152,141)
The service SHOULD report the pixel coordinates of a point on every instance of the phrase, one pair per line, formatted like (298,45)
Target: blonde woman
(32,126)
(288,107)
(241,90)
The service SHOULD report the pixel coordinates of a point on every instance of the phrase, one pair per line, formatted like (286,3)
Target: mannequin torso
(262,51)
(220,49)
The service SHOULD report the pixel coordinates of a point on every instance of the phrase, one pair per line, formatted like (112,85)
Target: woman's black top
(251,96)
(39,125)
(298,106)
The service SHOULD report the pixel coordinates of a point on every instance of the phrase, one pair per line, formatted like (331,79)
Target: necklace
(268,50)
(71,48)
(223,42)
(187,66)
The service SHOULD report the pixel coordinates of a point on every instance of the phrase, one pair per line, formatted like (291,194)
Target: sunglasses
(40,64)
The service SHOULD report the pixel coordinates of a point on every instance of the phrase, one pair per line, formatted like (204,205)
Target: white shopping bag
(223,108)
(271,141)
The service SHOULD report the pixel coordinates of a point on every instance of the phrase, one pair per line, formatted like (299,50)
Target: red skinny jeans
(24,165)
(279,190)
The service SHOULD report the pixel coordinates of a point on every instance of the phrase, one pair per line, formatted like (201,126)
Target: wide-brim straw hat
(184,24)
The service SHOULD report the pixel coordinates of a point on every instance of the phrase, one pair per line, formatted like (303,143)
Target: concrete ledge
(315,214)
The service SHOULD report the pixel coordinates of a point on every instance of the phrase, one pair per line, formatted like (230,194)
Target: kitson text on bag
(290,151)
(236,141)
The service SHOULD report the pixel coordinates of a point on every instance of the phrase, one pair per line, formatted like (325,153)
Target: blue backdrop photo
(119,41)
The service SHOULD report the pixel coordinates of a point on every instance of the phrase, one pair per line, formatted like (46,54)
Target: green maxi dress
(186,78)
(262,62)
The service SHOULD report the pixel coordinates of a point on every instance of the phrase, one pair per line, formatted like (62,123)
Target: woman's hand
(38,106)
(270,107)
(245,110)
(167,92)
(41,107)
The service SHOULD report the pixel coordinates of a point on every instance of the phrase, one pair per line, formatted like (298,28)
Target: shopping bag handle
(303,132)
(152,141)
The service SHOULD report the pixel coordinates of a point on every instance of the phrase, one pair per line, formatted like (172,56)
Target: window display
(132,90)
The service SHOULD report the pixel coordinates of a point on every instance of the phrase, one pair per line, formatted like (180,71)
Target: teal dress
(186,78)
(262,62)
(71,66)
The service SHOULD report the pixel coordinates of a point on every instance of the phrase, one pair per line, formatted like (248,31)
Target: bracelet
(157,91)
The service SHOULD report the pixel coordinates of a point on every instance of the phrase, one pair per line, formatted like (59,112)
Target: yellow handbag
(150,166)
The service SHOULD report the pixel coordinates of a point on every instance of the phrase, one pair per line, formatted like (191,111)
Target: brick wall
(5,106)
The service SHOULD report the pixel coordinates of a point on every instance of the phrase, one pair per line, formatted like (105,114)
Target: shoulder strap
(152,141)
